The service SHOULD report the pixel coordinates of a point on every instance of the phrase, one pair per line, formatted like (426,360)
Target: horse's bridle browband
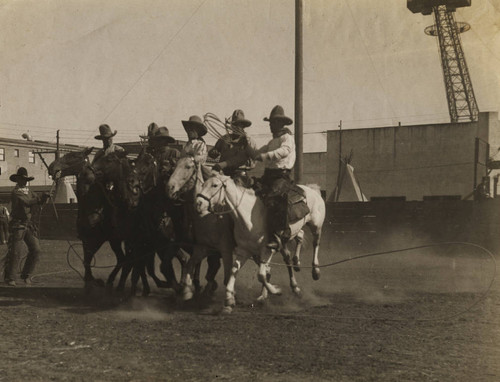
(194,176)
(219,191)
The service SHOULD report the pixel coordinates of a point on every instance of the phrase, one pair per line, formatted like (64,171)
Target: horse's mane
(247,190)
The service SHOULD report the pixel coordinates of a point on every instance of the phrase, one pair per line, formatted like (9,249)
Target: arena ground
(412,316)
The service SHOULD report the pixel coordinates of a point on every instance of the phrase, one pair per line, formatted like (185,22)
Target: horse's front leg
(299,239)
(315,263)
(288,261)
(188,271)
(264,274)
(89,250)
(230,301)
(213,264)
(116,246)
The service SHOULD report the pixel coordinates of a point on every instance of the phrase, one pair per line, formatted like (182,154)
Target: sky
(71,65)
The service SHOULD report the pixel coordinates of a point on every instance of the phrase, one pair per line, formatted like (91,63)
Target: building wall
(411,161)
(494,139)
(315,169)
(11,163)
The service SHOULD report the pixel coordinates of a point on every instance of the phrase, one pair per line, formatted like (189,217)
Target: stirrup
(275,243)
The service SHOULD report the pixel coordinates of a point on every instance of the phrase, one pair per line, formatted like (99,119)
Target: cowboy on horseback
(106,136)
(279,158)
(166,157)
(196,146)
(94,202)
(235,159)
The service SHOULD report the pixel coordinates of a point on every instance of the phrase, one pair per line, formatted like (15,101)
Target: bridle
(218,193)
(193,179)
(141,181)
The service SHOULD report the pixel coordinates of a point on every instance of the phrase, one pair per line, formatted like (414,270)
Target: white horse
(249,216)
(211,232)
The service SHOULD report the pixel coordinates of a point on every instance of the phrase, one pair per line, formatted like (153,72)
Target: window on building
(31,157)
(2,154)
(16,153)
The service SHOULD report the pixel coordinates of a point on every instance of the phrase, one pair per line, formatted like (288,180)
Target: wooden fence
(355,226)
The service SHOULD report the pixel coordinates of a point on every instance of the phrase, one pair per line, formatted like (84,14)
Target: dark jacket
(22,199)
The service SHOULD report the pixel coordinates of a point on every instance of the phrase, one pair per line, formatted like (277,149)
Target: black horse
(152,230)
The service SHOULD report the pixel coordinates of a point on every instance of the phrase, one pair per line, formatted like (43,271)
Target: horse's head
(130,188)
(109,168)
(212,195)
(118,174)
(71,163)
(183,178)
(146,169)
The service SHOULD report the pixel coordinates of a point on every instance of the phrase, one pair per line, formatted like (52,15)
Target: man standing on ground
(22,229)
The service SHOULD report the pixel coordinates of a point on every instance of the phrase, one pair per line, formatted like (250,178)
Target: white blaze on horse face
(202,206)
(183,171)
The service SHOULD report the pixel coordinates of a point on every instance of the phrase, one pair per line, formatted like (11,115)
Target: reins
(219,192)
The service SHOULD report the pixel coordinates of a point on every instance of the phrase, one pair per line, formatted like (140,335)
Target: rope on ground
(481,298)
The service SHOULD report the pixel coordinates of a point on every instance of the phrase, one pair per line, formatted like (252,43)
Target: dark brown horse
(106,193)
(152,228)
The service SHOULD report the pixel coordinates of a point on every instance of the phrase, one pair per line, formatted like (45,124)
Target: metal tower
(462,104)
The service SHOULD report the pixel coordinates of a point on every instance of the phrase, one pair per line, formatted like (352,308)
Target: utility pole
(299,63)
(57,146)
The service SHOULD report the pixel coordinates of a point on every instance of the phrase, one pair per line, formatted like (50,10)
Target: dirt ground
(413,316)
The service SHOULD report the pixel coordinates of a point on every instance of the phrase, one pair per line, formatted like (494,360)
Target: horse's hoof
(162,284)
(230,301)
(316,274)
(297,292)
(262,300)
(93,284)
(277,291)
(187,294)
(227,310)
(210,289)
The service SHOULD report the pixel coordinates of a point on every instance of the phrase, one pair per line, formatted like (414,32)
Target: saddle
(297,205)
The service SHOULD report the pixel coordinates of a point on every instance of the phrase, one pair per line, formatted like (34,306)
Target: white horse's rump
(250,232)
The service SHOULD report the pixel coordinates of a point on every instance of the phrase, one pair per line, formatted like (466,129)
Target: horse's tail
(314,187)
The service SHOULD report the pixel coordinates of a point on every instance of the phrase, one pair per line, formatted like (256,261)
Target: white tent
(64,192)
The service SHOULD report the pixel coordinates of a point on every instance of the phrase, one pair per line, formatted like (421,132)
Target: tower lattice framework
(459,92)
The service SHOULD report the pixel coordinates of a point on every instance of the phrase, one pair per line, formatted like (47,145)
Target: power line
(154,60)
(480,39)
(370,57)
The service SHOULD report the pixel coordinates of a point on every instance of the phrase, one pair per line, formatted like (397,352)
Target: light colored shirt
(103,152)
(278,153)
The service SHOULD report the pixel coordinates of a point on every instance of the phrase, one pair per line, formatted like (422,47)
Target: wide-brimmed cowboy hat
(162,135)
(195,123)
(22,173)
(152,129)
(238,119)
(278,114)
(105,132)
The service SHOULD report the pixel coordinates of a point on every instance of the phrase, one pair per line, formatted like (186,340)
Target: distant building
(15,153)
(417,162)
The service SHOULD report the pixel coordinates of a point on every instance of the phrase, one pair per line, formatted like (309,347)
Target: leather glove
(244,140)
(218,167)
(214,154)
